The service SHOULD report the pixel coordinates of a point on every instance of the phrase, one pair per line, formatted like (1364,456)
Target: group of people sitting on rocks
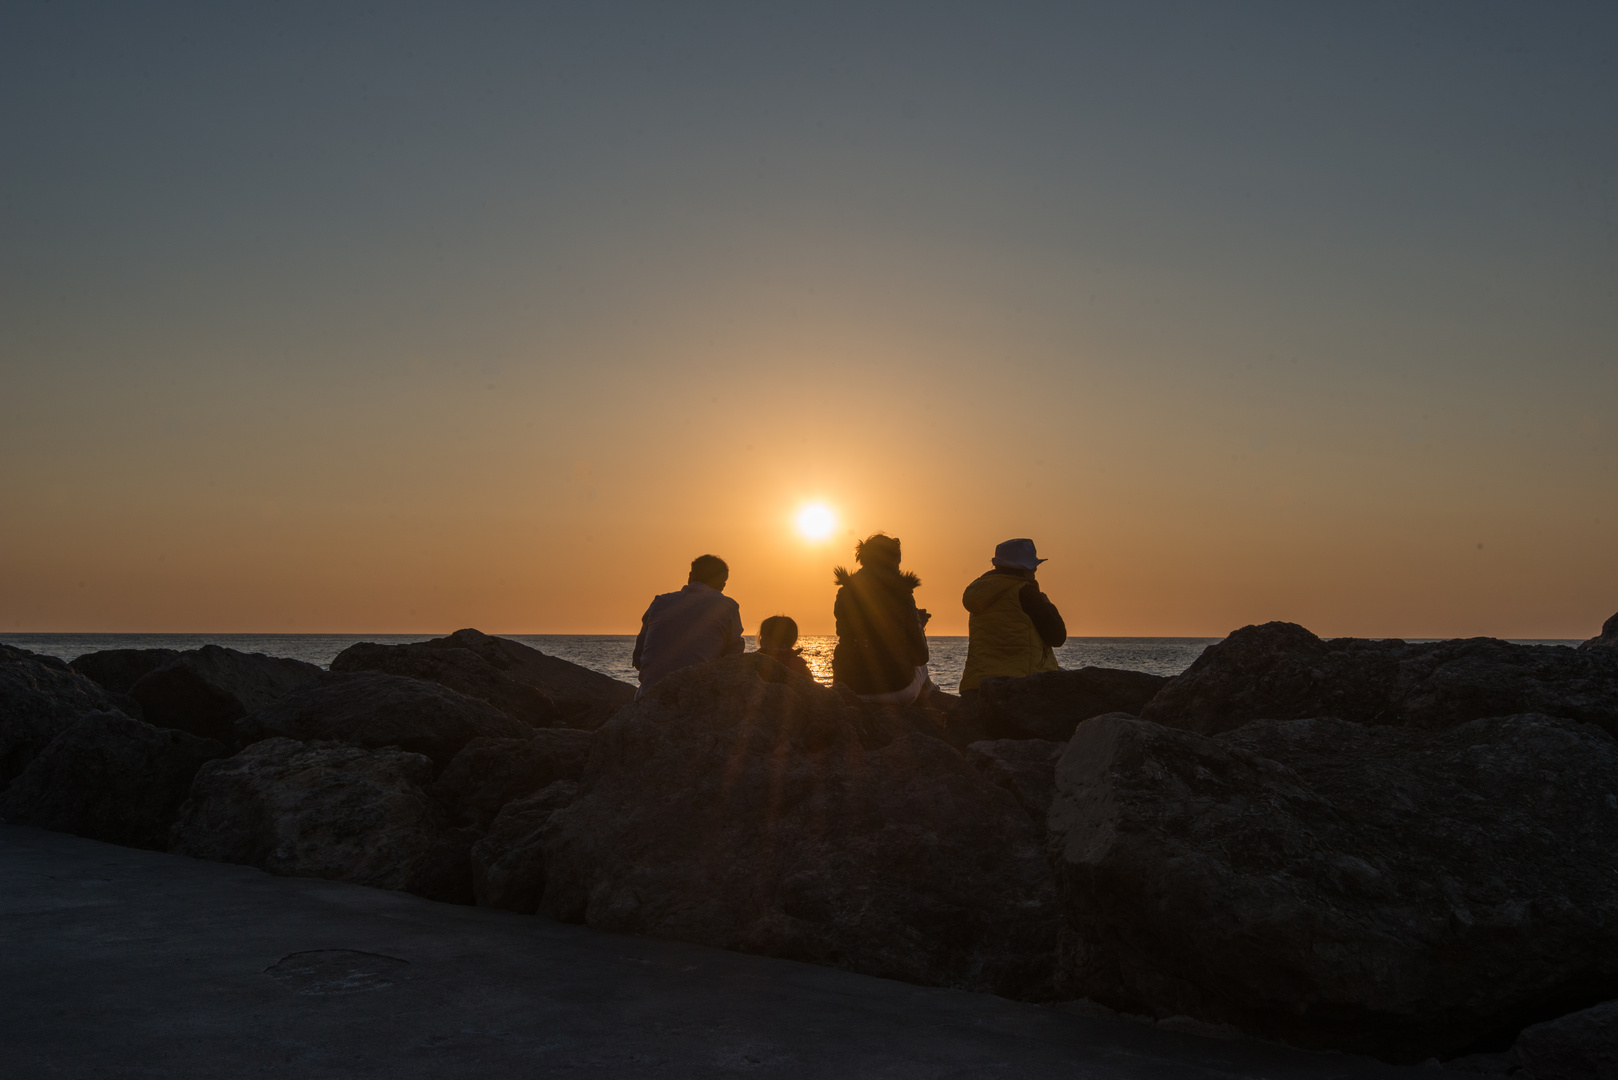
(881,655)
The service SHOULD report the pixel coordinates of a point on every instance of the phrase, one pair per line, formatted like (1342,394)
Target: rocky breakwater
(737,805)
(378,779)
(1392,848)
(72,760)
(1403,850)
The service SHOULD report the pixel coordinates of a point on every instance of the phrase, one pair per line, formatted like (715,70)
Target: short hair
(879,548)
(777,632)
(709,569)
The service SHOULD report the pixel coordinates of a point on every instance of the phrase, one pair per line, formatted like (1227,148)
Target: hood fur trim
(842,576)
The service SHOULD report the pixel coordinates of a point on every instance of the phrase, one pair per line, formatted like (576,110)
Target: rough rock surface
(489,773)
(204,691)
(508,863)
(1024,767)
(1580,1046)
(109,777)
(1393,891)
(327,810)
(1050,704)
(462,670)
(381,710)
(119,669)
(40,697)
(1607,639)
(732,806)
(541,690)
(1280,671)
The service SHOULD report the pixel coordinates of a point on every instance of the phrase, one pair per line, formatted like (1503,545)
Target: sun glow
(816,521)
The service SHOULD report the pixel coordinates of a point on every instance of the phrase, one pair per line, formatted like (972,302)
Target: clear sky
(401,317)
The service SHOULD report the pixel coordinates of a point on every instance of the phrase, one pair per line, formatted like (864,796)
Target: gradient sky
(401,318)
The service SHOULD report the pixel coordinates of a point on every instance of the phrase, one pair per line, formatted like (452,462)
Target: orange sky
(433,366)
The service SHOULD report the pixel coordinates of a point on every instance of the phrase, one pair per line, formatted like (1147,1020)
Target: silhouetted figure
(881,650)
(1014,626)
(697,624)
(777,638)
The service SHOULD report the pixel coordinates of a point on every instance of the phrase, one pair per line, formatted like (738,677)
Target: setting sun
(816,521)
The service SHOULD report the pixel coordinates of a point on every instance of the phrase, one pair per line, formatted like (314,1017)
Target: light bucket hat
(1016,555)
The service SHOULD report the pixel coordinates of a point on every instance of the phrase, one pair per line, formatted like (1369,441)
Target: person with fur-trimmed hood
(881,652)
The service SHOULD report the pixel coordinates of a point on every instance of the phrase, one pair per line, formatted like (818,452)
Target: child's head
(777,632)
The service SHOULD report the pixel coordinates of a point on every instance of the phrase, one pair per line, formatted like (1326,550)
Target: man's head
(1016,555)
(710,570)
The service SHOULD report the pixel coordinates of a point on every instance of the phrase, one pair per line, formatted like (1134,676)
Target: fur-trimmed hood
(894,579)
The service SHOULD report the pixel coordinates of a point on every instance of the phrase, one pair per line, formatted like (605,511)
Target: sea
(609,653)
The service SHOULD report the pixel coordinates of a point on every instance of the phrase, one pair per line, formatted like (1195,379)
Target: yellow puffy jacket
(1004,640)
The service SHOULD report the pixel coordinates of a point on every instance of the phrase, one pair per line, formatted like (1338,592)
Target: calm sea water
(609,653)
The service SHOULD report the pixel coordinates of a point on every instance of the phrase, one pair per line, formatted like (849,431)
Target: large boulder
(1050,704)
(489,773)
(327,810)
(1607,639)
(581,697)
(1392,891)
(462,670)
(204,691)
(1280,671)
(40,697)
(118,670)
(381,710)
(109,777)
(1580,1046)
(1024,767)
(508,863)
(735,806)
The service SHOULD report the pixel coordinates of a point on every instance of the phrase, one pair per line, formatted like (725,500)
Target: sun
(816,521)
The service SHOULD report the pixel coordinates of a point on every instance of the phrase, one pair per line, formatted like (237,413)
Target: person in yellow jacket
(1014,626)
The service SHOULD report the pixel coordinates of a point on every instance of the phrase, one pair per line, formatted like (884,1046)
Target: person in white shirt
(697,624)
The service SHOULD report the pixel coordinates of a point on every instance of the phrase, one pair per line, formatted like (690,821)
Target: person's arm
(640,642)
(735,644)
(1047,620)
(917,637)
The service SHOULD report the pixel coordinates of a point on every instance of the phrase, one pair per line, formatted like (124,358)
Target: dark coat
(880,642)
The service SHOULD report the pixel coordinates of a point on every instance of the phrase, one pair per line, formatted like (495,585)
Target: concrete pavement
(122,963)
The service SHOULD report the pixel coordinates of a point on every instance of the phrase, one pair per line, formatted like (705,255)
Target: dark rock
(119,669)
(251,678)
(1580,1046)
(736,807)
(1502,1063)
(330,811)
(508,864)
(1024,767)
(177,696)
(489,773)
(1280,671)
(381,710)
(40,697)
(1051,704)
(109,777)
(583,698)
(462,670)
(1392,891)
(1607,639)
(205,690)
